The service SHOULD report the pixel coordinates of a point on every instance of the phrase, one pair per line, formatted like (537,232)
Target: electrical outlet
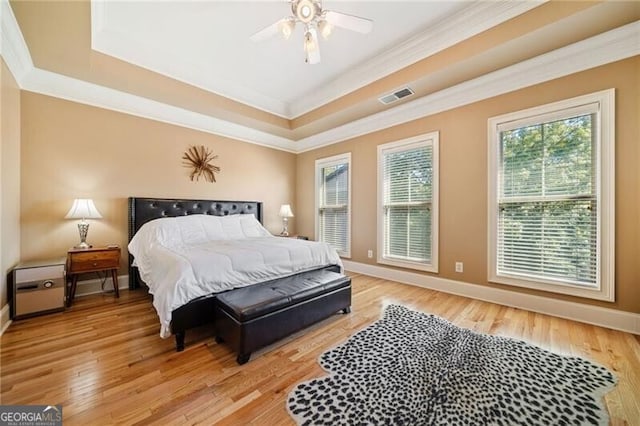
(369,254)
(459,267)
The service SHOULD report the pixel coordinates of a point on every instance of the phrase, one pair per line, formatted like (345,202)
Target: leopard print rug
(411,368)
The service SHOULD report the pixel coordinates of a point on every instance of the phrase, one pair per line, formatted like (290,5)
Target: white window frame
(432,139)
(602,104)
(327,162)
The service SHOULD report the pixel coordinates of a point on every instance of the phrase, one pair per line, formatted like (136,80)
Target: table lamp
(285,214)
(83,208)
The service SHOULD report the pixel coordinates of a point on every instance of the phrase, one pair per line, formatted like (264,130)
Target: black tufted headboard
(142,210)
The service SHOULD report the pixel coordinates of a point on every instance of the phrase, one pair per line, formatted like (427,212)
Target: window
(333,202)
(408,203)
(551,197)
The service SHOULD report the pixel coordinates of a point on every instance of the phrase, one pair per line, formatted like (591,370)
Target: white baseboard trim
(5,321)
(94,286)
(596,315)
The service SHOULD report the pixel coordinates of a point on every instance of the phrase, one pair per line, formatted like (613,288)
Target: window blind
(333,206)
(407,196)
(547,201)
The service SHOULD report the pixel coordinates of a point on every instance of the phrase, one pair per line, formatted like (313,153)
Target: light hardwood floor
(104,362)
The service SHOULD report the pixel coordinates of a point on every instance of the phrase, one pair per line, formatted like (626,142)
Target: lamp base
(285,227)
(83,228)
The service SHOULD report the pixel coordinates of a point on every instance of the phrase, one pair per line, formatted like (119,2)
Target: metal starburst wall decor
(199,158)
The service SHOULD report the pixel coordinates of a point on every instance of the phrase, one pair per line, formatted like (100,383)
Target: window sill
(408,264)
(601,293)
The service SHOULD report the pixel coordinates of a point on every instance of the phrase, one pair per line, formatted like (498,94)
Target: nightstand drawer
(94,260)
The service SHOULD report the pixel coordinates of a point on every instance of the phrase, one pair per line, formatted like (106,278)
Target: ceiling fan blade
(349,22)
(312,49)
(267,32)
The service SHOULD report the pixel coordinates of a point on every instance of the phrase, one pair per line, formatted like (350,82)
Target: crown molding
(13,48)
(63,87)
(608,47)
(614,45)
(59,86)
(472,20)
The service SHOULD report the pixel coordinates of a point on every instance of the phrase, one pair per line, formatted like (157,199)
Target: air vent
(396,96)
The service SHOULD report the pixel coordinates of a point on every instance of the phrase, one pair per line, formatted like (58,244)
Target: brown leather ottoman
(252,317)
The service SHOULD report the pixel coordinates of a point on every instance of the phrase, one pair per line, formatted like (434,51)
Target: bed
(198,310)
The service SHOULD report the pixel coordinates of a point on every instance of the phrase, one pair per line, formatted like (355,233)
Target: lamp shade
(285,211)
(83,208)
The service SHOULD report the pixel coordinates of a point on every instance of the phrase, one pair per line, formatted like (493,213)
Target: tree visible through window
(551,197)
(547,220)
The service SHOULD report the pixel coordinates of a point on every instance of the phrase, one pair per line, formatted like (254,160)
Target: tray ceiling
(206,44)
(192,64)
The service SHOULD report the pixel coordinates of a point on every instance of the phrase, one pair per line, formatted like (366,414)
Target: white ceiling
(206,44)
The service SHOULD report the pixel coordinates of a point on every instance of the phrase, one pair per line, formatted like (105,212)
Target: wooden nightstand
(96,259)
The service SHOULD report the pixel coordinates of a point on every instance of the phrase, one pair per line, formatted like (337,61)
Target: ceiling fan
(310,14)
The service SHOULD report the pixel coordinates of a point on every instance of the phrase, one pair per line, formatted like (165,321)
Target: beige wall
(463,178)
(9,177)
(70,150)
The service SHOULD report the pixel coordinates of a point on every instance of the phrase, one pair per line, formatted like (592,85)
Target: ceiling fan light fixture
(325,29)
(306,10)
(310,44)
(286,28)
(315,20)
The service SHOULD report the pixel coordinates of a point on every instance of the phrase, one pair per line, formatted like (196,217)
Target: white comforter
(184,258)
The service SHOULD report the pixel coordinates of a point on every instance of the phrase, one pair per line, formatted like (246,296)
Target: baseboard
(596,315)
(5,320)
(94,286)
